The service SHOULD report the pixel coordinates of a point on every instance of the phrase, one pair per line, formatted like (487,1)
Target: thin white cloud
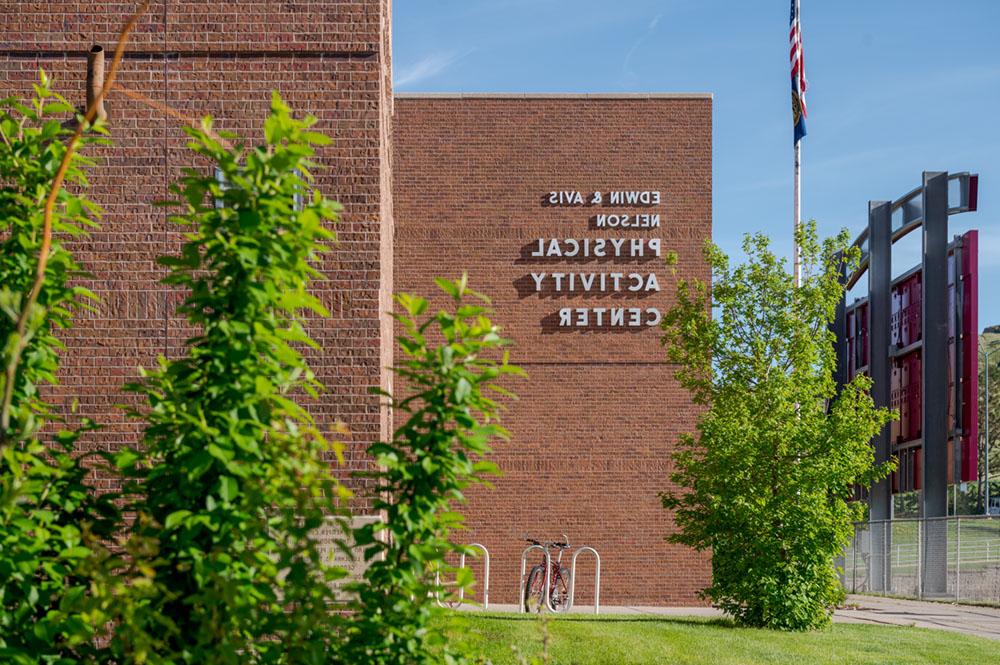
(427,67)
(629,77)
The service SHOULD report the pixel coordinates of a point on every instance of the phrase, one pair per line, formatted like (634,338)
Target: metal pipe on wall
(95,80)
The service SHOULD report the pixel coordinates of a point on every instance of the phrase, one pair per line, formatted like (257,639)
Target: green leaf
(56,108)
(316,138)
(175,518)
(229,488)
(220,454)
(448,286)
(78,552)
(126,458)
(462,390)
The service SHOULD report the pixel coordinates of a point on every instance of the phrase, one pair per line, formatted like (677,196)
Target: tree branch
(50,203)
(172,112)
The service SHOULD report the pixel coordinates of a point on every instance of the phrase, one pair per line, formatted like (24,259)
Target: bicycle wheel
(452,601)
(533,589)
(559,592)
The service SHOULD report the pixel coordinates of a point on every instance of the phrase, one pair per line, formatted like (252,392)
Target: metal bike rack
(486,575)
(572,578)
(548,574)
(461,591)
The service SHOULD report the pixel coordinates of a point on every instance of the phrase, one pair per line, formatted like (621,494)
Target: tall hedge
(230,482)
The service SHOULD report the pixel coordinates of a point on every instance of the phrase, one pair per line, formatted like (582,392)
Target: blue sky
(895,88)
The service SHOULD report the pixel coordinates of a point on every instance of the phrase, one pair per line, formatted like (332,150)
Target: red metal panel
(953,321)
(896,402)
(900,299)
(970,354)
(903,424)
(910,292)
(914,398)
(852,340)
(905,389)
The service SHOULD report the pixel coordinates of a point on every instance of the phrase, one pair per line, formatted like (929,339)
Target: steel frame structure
(926,208)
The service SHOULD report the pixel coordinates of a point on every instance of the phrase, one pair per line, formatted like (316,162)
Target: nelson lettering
(613,249)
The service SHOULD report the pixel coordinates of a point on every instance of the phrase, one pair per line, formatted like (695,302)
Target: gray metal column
(934,383)
(879,368)
(839,328)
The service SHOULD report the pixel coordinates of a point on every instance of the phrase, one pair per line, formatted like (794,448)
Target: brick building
(488,184)
(329,58)
(431,185)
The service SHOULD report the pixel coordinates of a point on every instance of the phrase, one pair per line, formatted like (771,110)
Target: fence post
(887,557)
(920,558)
(958,558)
(854,562)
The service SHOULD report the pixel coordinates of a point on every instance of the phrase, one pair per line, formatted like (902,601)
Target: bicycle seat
(534,542)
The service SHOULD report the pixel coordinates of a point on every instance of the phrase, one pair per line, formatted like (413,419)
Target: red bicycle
(558,579)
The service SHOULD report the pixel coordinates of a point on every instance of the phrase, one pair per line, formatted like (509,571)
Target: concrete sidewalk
(616,610)
(967,619)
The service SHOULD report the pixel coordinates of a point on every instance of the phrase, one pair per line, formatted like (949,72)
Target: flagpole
(797,212)
(799,124)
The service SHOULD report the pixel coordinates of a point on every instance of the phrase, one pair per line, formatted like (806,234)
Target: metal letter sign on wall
(916,336)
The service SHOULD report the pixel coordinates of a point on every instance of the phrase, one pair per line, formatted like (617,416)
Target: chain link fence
(947,558)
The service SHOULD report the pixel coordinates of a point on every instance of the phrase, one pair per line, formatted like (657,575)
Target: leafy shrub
(230,482)
(50,522)
(450,361)
(765,485)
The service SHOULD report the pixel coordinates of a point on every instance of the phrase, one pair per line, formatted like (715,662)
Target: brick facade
(330,58)
(431,186)
(600,412)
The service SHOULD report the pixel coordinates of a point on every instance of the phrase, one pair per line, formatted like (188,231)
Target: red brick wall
(331,27)
(600,412)
(326,57)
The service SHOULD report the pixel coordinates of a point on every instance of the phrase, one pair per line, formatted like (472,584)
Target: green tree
(765,484)
(51,523)
(451,361)
(989,341)
(230,483)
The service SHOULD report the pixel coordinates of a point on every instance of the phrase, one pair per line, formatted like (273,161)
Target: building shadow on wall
(587,203)
(526,257)
(550,326)
(525,287)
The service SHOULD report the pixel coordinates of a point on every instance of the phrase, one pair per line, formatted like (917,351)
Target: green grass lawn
(624,640)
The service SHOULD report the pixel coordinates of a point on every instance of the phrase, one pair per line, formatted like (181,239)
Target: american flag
(797,58)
